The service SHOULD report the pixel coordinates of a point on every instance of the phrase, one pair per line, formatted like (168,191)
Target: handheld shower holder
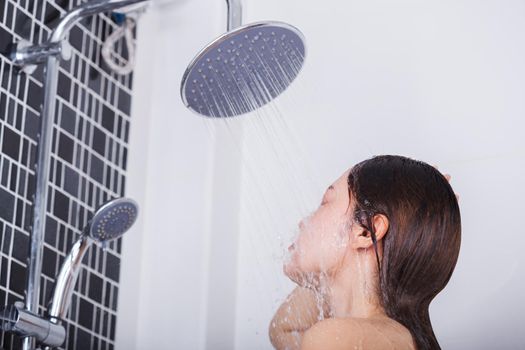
(15,318)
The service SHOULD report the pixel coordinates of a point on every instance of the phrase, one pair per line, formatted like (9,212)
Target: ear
(363,238)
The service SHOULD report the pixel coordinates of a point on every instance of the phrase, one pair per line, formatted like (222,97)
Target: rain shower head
(112,219)
(243,69)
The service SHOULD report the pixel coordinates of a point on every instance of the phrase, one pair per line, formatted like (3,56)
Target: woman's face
(323,236)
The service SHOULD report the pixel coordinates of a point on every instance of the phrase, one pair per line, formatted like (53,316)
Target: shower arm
(90,8)
(234,14)
(27,56)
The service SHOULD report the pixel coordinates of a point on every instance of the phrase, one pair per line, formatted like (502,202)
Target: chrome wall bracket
(15,318)
(27,56)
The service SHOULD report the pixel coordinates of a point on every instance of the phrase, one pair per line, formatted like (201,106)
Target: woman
(368,262)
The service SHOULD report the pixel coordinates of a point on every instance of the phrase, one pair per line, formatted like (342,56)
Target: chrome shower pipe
(66,280)
(32,55)
(234,14)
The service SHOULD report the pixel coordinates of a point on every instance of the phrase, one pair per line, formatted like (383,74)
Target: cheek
(319,246)
(333,247)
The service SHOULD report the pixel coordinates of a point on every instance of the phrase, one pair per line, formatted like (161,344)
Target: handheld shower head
(110,221)
(243,69)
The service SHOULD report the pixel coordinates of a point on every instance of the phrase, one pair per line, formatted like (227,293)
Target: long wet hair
(421,246)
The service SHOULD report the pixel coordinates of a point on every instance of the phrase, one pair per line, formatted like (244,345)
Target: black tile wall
(88,166)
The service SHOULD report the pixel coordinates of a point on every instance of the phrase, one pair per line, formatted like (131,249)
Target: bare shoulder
(350,333)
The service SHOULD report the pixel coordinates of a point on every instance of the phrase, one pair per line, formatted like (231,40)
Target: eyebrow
(329,188)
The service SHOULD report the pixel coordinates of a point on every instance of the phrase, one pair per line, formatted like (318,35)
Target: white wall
(439,81)
(170,255)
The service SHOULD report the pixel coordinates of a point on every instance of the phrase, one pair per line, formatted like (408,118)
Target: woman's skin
(333,262)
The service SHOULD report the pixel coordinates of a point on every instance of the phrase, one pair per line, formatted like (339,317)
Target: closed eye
(324,201)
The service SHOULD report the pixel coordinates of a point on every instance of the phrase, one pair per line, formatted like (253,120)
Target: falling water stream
(265,140)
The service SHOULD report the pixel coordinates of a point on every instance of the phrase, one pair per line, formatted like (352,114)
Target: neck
(352,289)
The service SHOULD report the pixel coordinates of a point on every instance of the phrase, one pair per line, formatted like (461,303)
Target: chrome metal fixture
(243,69)
(110,221)
(26,57)
(18,320)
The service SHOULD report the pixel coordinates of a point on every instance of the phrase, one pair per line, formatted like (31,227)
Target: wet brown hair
(421,246)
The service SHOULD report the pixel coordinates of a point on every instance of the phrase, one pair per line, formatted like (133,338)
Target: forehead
(342,182)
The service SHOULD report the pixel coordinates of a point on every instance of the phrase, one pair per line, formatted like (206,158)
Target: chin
(291,269)
(294,272)
(287,268)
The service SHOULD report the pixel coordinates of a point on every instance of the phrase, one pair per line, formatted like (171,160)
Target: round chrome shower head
(243,69)
(112,219)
